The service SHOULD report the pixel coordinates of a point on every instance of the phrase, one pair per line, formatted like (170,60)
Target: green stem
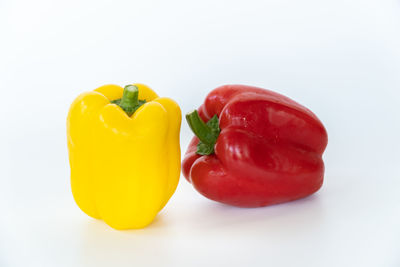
(206,132)
(130,100)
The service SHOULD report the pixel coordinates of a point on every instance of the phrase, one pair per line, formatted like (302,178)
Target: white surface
(340,58)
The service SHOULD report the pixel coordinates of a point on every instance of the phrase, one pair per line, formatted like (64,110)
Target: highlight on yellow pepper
(124,153)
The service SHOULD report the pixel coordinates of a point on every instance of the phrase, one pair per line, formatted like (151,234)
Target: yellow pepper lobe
(124,168)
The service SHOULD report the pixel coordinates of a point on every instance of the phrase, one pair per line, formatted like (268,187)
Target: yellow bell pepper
(124,153)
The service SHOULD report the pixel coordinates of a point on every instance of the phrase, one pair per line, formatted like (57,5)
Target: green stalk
(206,132)
(130,100)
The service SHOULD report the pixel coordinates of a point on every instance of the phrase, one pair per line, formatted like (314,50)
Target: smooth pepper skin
(124,169)
(269,149)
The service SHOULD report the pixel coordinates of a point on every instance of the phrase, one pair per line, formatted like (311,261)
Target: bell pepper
(124,153)
(254,147)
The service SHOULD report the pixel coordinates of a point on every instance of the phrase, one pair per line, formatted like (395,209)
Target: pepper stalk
(206,132)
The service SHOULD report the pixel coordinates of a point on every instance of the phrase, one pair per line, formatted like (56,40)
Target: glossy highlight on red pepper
(267,148)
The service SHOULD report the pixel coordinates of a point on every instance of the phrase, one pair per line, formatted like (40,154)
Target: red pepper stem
(200,128)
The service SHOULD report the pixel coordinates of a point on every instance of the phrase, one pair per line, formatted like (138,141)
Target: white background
(339,58)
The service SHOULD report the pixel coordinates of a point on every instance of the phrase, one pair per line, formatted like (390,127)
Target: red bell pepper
(257,148)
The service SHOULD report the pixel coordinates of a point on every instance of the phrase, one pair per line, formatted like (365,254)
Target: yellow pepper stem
(130,100)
